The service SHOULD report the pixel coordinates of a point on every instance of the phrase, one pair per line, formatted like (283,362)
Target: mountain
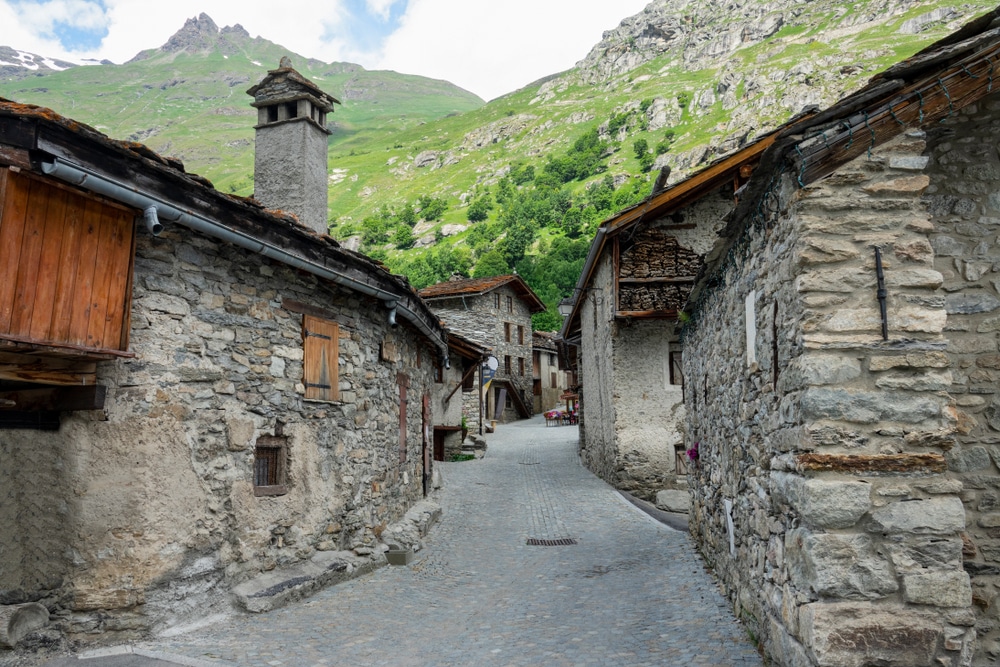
(432,181)
(188,99)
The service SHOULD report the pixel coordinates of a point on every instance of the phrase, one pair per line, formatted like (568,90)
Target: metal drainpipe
(80,176)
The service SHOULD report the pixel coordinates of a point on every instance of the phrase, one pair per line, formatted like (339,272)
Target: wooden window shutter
(321,343)
(404,382)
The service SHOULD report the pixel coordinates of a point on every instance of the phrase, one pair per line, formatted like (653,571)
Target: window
(520,335)
(469,381)
(506,331)
(520,365)
(676,376)
(496,300)
(270,460)
(555,380)
(552,359)
(510,304)
(321,340)
(506,364)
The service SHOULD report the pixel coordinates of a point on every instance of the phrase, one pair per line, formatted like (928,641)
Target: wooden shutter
(404,382)
(65,267)
(321,350)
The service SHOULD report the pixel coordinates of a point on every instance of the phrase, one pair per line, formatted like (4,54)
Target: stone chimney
(291,145)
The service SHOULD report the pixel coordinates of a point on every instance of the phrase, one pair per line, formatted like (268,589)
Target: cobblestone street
(631,591)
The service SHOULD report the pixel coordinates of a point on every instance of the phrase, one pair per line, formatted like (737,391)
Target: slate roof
(477,286)
(31,135)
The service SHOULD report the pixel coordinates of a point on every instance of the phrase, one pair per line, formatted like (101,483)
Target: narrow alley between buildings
(627,590)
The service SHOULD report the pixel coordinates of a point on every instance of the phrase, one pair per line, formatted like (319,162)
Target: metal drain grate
(535,542)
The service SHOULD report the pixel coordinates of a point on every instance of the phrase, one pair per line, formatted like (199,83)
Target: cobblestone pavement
(631,591)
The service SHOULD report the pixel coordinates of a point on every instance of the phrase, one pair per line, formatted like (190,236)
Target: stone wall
(140,516)
(821,496)
(598,442)
(479,319)
(633,413)
(548,363)
(962,200)
(631,410)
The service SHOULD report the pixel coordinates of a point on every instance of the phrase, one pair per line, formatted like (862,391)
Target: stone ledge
(277,588)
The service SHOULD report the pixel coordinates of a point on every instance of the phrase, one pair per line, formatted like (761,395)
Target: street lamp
(565,307)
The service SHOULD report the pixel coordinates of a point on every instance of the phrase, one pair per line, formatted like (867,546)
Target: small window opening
(292,109)
(270,465)
(676,374)
(272,114)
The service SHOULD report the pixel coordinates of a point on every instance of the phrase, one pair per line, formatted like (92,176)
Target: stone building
(637,276)
(494,313)
(840,369)
(195,392)
(452,384)
(549,383)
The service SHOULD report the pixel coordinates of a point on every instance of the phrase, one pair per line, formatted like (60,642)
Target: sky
(489,47)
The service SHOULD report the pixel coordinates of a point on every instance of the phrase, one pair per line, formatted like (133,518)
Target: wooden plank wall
(65,266)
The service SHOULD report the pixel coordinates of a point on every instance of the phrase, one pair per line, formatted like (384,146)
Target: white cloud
(494,48)
(485,46)
(380,8)
(42,16)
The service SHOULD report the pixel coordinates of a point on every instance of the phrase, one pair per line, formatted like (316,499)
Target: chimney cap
(285,84)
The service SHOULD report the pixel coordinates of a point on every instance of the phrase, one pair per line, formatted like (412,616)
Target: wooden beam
(39,421)
(54,399)
(465,377)
(657,279)
(45,370)
(646,314)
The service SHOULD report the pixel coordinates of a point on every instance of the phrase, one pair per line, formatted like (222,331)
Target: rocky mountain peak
(197,34)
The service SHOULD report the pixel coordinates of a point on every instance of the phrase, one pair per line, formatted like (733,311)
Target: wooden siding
(65,267)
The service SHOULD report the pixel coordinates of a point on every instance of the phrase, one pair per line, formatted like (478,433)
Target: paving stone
(630,592)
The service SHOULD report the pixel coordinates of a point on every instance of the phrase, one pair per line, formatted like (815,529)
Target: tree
(407,215)
(491,264)
(641,148)
(479,209)
(432,208)
(402,238)
(548,320)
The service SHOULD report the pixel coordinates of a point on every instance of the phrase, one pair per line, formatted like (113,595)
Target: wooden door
(439,435)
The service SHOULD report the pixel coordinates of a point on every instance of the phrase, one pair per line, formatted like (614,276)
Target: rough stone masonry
(833,482)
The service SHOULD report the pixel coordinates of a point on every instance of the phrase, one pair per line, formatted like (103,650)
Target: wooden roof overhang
(479,286)
(945,77)
(465,348)
(733,169)
(30,136)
